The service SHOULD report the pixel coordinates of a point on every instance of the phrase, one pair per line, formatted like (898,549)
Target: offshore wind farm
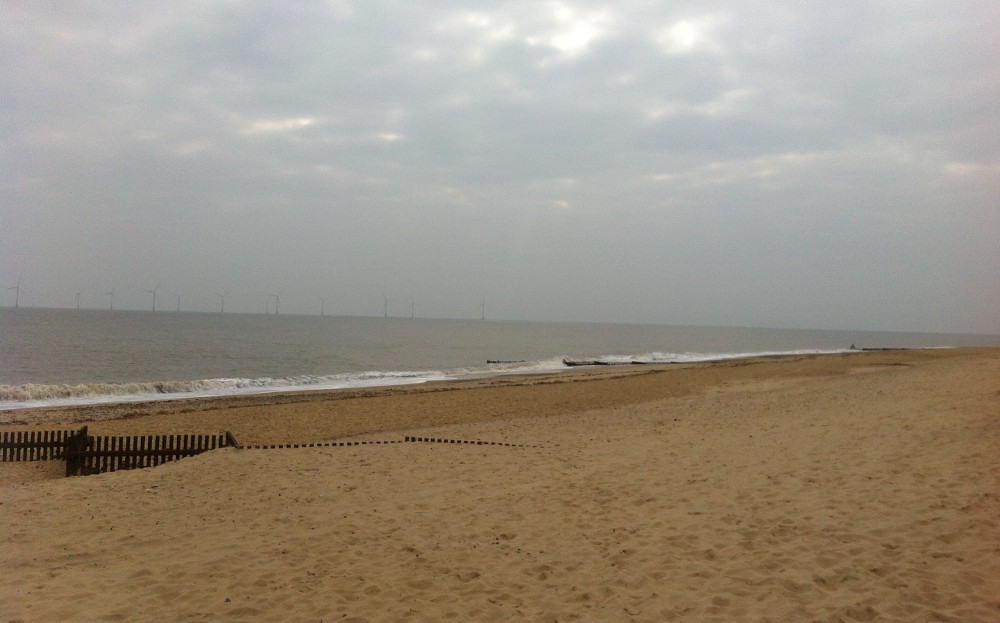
(118,297)
(127,355)
(208,300)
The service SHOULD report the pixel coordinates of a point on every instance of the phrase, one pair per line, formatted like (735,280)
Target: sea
(65,357)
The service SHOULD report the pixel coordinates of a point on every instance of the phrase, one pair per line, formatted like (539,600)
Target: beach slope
(855,487)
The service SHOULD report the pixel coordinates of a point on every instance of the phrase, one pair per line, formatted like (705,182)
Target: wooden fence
(33,445)
(348,444)
(324,444)
(89,454)
(467,442)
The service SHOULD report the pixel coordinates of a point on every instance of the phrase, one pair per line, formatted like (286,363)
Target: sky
(823,165)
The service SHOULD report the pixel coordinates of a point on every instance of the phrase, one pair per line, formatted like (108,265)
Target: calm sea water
(51,356)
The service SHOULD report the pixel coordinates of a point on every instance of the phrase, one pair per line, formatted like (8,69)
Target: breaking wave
(38,395)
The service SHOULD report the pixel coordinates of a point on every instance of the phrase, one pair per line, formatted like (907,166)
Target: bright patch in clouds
(491,28)
(724,173)
(267,126)
(575,32)
(697,34)
(971,169)
(558,27)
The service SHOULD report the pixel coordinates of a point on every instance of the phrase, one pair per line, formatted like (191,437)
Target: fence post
(74,450)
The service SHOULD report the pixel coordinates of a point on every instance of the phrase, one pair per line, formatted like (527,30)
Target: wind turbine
(385,306)
(322,305)
(17,293)
(111,299)
(78,299)
(482,306)
(277,300)
(178,302)
(412,306)
(222,302)
(153,292)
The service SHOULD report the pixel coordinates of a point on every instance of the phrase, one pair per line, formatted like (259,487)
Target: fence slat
(86,462)
(94,444)
(102,445)
(120,457)
(39,445)
(129,458)
(110,448)
(105,444)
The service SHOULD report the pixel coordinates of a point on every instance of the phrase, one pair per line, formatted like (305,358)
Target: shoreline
(323,415)
(832,487)
(32,418)
(70,395)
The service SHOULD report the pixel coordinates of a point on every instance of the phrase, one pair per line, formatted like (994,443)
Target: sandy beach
(855,487)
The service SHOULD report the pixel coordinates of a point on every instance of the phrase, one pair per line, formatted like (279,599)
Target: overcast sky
(781,164)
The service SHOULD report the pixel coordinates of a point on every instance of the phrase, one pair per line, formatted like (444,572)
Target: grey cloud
(807,165)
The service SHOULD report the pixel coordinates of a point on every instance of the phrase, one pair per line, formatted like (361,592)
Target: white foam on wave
(40,395)
(36,395)
(696,357)
(689,357)
(544,366)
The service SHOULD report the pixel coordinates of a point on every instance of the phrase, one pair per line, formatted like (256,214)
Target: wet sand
(856,487)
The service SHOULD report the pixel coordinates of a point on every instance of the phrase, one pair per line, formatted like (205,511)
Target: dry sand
(860,487)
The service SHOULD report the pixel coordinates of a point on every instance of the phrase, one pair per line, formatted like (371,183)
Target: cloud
(268,126)
(702,34)
(338,145)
